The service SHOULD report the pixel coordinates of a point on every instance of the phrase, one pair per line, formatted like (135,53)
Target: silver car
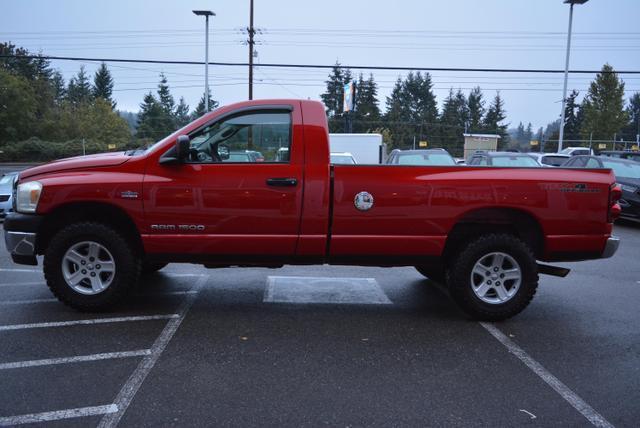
(6,193)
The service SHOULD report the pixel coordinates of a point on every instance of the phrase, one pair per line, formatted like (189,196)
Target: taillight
(615,193)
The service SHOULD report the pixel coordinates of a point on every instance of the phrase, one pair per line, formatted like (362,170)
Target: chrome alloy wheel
(496,278)
(88,267)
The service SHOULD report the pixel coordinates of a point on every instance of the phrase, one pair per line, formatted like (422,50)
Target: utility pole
(251,43)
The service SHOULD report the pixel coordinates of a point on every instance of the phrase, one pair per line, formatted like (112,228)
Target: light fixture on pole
(206,14)
(566,69)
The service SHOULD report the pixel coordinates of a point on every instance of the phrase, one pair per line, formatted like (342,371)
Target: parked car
(502,159)
(344,158)
(244,156)
(98,220)
(621,154)
(421,157)
(6,193)
(550,159)
(627,174)
(576,151)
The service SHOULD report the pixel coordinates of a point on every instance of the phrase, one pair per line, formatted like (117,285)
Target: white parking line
(58,415)
(53,300)
(20,284)
(129,390)
(27,302)
(76,359)
(86,322)
(569,396)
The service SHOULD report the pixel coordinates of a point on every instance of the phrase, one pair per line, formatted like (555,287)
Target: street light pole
(251,43)
(206,14)
(566,70)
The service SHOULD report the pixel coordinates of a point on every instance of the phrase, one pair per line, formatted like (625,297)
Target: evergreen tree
(164,96)
(200,110)
(604,113)
(367,112)
(395,118)
(633,113)
(475,103)
(454,117)
(103,85)
(571,119)
(520,134)
(59,89)
(528,134)
(492,121)
(332,97)
(182,113)
(151,119)
(79,89)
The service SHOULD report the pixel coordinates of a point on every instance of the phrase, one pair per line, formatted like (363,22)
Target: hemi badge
(128,194)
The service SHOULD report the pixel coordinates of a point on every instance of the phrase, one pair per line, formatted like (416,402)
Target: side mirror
(183,145)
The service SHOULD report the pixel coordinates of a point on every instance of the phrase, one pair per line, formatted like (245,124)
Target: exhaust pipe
(553,270)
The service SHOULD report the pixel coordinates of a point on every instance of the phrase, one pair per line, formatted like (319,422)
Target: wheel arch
(101,212)
(481,221)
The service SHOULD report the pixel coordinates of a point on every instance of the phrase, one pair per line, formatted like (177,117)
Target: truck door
(239,193)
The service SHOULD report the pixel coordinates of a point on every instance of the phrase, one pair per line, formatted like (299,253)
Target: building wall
(471,144)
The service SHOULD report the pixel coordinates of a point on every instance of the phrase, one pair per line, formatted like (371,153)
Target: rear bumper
(20,234)
(611,247)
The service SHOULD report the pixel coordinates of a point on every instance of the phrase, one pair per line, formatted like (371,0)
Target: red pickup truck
(251,184)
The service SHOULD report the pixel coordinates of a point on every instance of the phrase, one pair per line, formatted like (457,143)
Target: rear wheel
(90,266)
(493,277)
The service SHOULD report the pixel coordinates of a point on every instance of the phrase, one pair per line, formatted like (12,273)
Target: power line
(321,66)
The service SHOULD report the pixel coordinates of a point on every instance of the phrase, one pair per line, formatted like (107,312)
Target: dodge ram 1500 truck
(251,184)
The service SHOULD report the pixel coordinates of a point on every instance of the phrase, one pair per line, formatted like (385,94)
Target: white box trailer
(365,148)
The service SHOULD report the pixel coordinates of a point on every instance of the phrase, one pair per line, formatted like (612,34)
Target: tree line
(412,114)
(43,117)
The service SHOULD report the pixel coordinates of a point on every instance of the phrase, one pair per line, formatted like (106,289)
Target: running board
(553,270)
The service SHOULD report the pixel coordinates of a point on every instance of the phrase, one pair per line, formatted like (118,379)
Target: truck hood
(78,162)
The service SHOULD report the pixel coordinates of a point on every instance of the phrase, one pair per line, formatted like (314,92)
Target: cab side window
(244,138)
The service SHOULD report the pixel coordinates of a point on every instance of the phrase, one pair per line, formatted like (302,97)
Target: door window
(244,138)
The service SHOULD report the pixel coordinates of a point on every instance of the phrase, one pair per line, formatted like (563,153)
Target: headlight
(627,188)
(27,196)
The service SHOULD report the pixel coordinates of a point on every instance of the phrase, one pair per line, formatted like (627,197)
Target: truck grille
(4,198)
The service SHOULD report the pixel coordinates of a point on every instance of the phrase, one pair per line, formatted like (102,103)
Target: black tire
(433,273)
(459,277)
(150,267)
(127,266)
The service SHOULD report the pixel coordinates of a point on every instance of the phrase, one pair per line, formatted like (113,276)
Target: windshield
(514,161)
(342,159)
(8,178)
(553,160)
(623,169)
(425,159)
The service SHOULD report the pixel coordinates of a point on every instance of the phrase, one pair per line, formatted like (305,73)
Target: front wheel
(494,277)
(90,266)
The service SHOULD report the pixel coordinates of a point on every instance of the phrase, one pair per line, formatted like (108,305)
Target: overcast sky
(413,33)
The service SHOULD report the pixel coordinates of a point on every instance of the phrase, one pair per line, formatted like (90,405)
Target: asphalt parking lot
(309,346)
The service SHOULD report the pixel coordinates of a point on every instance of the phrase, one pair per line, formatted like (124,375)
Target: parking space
(322,345)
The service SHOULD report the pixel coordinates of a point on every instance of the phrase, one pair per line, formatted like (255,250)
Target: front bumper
(611,247)
(20,234)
